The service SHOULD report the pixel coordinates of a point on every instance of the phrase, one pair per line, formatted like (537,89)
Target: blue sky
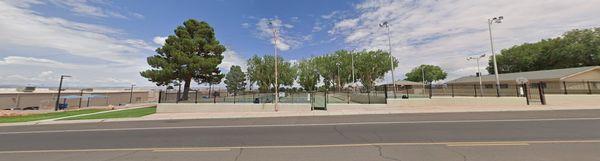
(105,43)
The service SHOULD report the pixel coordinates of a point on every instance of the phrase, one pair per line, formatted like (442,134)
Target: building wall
(47,100)
(593,75)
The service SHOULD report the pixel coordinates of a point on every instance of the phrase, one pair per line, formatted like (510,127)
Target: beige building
(405,87)
(45,99)
(580,80)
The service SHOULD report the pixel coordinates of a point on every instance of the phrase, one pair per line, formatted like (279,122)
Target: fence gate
(535,93)
(318,101)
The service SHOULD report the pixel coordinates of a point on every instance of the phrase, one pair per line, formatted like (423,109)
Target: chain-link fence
(507,90)
(346,96)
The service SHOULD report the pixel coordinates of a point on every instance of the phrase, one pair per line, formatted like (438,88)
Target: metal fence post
(452,88)
(196,98)
(430,90)
(407,94)
(565,87)
(369,97)
(526,92)
(385,90)
(348,96)
(159,97)
(542,94)
(475,90)
(589,87)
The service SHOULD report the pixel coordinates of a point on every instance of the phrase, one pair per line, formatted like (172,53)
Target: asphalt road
(540,135)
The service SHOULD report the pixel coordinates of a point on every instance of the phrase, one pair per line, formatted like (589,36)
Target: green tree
(432,73)
(235,80)
(261,70)
(308,77)
(372,65)
(193,53)
(575,48)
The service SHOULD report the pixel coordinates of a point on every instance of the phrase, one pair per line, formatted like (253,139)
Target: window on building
(503,86)
(489,86)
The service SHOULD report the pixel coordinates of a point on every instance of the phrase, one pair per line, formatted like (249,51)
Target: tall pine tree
(192,54)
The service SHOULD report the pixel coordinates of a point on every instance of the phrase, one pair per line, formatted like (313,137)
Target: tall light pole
(338,76)
(387,26)
(490,22)
(423,76)
(276,62)
(478,72)
(131,94)
(59,90)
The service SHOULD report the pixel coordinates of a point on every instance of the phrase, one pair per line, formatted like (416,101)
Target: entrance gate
(535,93)
(318,101)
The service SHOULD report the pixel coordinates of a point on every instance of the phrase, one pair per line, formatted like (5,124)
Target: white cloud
(445,32)
(159,40)
(285,41)
(87,51)
(30,61)
(92,8)
(330,15)
(245,25)
(231,58)
(346,24)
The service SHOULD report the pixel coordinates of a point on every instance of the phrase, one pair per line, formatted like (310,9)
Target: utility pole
(59,90)
(490,22)
(276,62)
(387,26)
(131,94)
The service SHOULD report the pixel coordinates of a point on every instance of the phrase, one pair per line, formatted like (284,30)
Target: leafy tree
(307,75)
(575,48)
(193,53)
(261,70)
(432,73)
(235,80)
(372,65)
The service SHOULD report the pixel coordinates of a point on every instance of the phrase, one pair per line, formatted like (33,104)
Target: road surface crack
(457,152)
(239,154)
(121,156)
(340,132)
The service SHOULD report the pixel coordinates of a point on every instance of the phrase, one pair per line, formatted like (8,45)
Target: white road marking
(292,125)
(218,149)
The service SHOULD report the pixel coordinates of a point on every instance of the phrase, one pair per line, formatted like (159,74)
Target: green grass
(138,112)
(44,116)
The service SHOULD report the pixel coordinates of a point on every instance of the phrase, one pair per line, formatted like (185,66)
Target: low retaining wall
(458,101)
(572,100)
(227,107)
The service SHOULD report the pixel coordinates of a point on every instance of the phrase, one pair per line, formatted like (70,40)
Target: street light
(59,90)
(276,62)
(338,76)
(490,22)
(131,94)
(478,72)
(387,26)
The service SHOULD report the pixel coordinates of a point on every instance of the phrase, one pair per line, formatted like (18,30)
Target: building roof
(405,83)
(532,75)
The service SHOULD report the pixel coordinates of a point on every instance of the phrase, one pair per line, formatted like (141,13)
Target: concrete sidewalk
(348,110)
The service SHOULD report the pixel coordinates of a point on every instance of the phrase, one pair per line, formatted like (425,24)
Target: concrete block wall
(227,107)
(458,101)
